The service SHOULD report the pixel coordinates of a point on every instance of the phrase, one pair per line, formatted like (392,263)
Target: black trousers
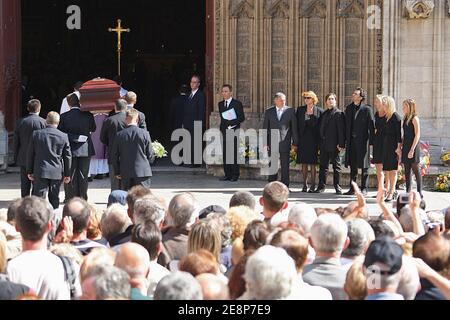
(325,158)
(44,186)
(354,170)
(285,167)
(25,183)
(128,183)
(231,168)
(79,173)
(115,183)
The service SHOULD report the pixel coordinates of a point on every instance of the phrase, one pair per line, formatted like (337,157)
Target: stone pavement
(169,181)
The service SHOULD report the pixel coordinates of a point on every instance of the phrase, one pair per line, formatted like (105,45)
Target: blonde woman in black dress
(410,147)
(380,125)
(392,146)
(308,118)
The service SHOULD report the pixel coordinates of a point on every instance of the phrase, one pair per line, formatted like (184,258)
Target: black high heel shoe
(305,189)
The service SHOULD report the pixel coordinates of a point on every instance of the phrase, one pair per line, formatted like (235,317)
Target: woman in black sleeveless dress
(392,141)
(380,124)
(308,138)
(411,146)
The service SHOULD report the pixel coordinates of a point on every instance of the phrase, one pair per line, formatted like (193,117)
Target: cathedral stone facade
(400,48)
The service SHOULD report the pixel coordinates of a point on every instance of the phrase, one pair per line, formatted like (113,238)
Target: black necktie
(226,104)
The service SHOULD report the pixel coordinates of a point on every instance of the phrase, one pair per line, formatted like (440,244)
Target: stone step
(249,172)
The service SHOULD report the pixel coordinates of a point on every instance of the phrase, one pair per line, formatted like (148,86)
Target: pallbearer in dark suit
(177,107)
(282,119)
(113,125)
(360,127)
(195,110)
(131,99)
(132,154)
(332,134)
(22,137)
(232,115)
(308,138)
(49,160)
(78,125)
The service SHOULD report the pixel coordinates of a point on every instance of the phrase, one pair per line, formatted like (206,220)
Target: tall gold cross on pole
(119,30)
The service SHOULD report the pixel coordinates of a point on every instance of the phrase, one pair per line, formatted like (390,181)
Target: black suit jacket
(332,130)
(238,108)
(49,154)
(76,123)
(132,153)
(112,125)
(364,129)
(301,111)
(287,127)
(23,135)
(141,122)
(194,110)
(177,109)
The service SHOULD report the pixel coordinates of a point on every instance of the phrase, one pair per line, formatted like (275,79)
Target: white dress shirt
(65,106)
(193,93)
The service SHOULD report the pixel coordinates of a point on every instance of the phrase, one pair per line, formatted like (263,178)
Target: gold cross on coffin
(119,30)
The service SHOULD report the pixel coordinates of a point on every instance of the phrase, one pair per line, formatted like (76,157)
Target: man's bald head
(213,287)
(182,210)
(78,209)
(134,260)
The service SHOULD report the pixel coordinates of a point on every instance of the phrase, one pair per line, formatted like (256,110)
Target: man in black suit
(195,110)
(177,107)
(22,137)
(113,125)
(78,125)
(131,99)
(282,119)
(332,135)
(49,158)
(232,115)
(360,132)
(132,154)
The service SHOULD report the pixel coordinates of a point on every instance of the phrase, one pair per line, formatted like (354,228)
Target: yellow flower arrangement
(443,183)
(445,158)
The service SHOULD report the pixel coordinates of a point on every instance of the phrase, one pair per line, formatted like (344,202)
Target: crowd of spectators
(143,247)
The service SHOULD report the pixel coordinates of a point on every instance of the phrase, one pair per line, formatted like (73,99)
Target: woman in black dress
(392,144)
(380,124)
(411,148)
(308,133)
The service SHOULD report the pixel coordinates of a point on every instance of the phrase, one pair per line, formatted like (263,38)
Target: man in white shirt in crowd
(36,267)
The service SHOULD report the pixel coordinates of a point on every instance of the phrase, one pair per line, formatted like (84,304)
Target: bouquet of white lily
(160,151)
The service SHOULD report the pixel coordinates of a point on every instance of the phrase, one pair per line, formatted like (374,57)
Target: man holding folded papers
(232,116)
(78,125)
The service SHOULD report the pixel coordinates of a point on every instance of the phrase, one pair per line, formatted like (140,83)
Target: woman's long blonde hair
(389,104)
(380,98)
(412,110)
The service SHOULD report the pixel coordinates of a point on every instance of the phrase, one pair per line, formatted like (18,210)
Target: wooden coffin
(99,95)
